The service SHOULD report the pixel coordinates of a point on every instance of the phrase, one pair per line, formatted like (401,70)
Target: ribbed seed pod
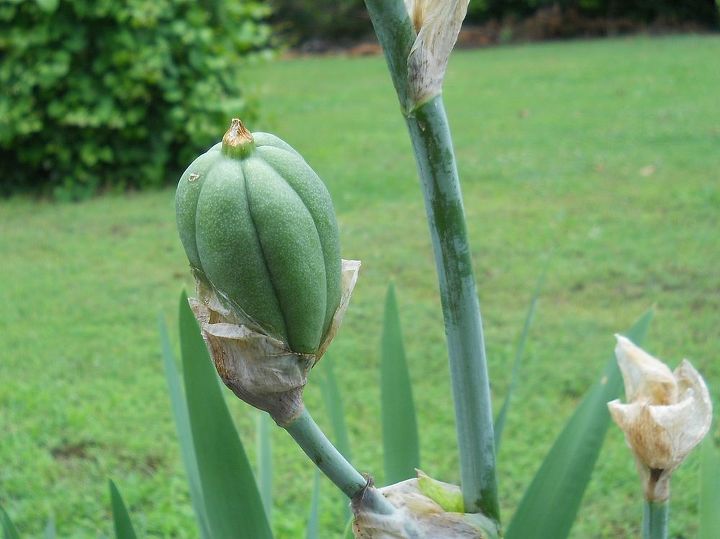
(258,225)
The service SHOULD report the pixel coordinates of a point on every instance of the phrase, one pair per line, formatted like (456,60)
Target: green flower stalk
(417,37)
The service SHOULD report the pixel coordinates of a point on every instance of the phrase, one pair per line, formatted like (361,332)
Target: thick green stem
(435,159)
(316,446)
(655,520)
(395,32)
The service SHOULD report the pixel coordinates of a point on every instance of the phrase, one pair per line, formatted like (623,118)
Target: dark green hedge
(702,12)
(339,20)
(301,21)
(99,93)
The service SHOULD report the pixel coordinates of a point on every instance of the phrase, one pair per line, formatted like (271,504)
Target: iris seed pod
(259,228)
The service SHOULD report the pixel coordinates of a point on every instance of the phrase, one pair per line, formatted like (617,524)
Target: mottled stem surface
(435,158)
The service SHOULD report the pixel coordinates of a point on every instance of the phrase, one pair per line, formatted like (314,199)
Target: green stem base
(655,520)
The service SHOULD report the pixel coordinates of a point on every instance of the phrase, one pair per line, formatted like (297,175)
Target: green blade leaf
(550,504)
(336,412)
(264,461)
(519,353)
(399,424)
(182,425)
(50,529)
(121,519)
(313,527)
(232,501)
(334,404)
(9,529)
(709,491)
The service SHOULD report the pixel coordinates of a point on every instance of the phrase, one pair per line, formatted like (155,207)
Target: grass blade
(313,527)
(121,519)
(232,501)
(264,461)
(399,423)
(709,491)
(519,353)
(182,425)
(550,504)
(8,528)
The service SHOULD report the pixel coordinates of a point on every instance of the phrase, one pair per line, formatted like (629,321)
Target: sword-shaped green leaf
(336,412)
(8,528)
(550,504)
(264,461)
(399,424)
(519,353)
(182,425)
(231,498)
(335,408)
(50,529)
(121,519)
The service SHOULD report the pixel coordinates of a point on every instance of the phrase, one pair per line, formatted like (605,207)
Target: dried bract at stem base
(258,368)
(422,513)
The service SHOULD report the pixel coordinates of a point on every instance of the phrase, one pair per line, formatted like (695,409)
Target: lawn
(601,156)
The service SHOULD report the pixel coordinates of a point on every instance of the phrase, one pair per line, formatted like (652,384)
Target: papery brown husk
(258,368)
(417,517)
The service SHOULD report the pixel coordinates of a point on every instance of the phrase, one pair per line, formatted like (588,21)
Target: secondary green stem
(316,446)
(655,520)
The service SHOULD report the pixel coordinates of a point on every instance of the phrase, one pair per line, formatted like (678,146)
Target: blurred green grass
(604,153)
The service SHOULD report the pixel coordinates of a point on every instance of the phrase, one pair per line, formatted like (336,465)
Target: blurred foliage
(703,12)
(98,93)
(305,21)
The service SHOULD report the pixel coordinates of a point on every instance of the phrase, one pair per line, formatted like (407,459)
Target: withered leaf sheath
(258,225)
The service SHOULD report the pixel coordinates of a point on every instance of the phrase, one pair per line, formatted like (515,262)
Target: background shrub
(100,93)
(702,12)
(301,21)
(308,21)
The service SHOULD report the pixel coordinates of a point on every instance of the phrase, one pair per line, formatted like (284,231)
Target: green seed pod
(259,227)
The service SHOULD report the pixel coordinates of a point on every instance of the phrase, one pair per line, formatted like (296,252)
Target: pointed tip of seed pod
(238,141)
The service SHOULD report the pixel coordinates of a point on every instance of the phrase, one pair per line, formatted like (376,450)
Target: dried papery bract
(437,23)
(258,368)
(426,509)
(666,415)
